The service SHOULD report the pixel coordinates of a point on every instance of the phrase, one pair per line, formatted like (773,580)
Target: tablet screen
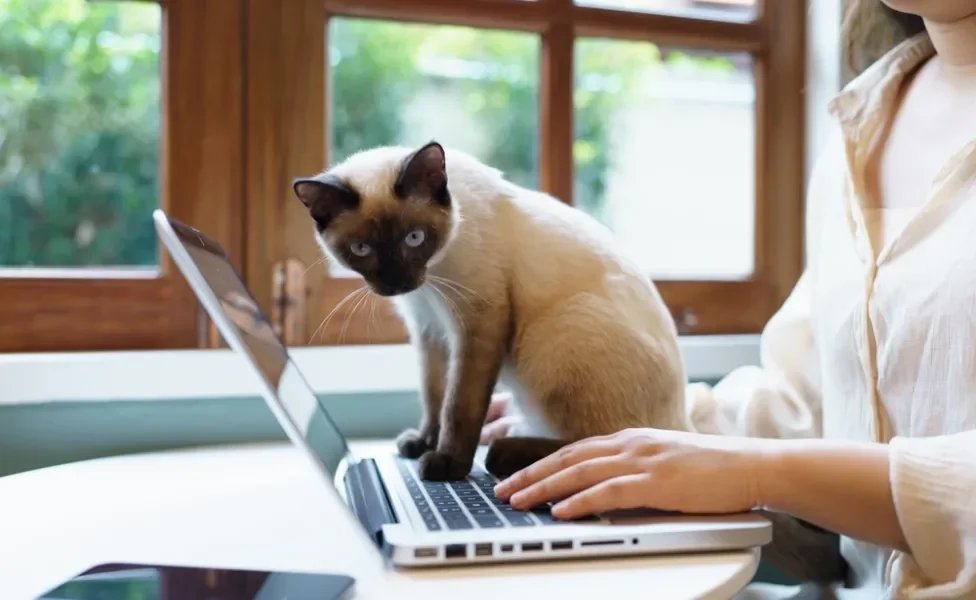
(155,582)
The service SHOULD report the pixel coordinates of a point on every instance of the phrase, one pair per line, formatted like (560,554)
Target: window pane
(79,132)
(726,10)
(474,89)
(665,155)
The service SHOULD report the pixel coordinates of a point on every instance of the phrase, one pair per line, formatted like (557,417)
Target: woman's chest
(898,330)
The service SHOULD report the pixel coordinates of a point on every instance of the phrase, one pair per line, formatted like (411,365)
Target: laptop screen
(269,356)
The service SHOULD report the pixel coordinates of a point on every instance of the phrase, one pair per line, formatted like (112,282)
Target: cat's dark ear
(325,197)
(423,174)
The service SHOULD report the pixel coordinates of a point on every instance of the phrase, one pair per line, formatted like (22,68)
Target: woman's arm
(917,495)
(839,486)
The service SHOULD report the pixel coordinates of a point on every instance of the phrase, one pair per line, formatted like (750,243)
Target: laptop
(416,523)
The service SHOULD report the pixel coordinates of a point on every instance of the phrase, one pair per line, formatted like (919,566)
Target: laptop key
(489,521)
(519,519)
(431,522)
(456,524)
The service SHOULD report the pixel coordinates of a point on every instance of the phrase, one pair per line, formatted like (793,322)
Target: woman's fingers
(567,482)
(498,406)
(558,461)
(618,493)
(498,428)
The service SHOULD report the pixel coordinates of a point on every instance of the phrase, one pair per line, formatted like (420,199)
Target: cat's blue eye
(414,238)
(360,248)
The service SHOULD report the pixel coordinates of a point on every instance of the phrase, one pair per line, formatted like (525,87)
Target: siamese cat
(496,282)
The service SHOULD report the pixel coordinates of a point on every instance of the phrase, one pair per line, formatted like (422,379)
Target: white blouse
(880,349)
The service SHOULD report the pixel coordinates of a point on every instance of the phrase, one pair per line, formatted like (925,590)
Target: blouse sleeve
(780,397)
(933,482)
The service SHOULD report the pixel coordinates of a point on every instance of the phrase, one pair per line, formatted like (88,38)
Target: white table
(260,506)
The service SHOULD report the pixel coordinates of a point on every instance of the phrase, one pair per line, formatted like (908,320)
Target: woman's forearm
(840,486)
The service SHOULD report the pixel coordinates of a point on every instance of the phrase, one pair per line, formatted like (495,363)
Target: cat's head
(385,213)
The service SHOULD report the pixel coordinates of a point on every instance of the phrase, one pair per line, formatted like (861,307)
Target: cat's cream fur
(532,292)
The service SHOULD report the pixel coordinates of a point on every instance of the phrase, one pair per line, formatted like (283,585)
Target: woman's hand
(643,468)
(840,486)
(500,418)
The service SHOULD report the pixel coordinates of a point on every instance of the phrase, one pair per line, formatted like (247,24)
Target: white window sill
(176,374)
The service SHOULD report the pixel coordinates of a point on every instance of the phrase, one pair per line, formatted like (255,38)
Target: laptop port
(533,547)
(482,550)
(425,552)
(562,545)
(456,551)
(602,543)
(507,547)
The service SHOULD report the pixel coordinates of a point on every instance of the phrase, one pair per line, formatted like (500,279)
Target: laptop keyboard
(469,503)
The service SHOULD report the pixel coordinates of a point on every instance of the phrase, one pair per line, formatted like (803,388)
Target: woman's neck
(955,41)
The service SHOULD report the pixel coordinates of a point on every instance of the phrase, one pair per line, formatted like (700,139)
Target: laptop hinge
(288,306)
(368,499)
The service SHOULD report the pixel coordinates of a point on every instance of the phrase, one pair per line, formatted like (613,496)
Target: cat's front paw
(412,443)
(440,466)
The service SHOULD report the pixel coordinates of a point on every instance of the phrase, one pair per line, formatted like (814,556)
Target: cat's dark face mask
(389,240)
(390,251)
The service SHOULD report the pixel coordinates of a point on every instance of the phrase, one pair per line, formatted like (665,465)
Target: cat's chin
(392,292)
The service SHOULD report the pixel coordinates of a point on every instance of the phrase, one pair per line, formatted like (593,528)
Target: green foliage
(80,120)
(373,84)
(79,152)
(372,77)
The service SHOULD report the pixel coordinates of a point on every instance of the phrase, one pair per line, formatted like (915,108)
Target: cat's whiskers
(372,317)
(453,290)
(355,307)
(459,288)
(328,317)
(318,262)
(452,306)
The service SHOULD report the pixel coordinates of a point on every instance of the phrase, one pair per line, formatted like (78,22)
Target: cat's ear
(423,174)
(325,197)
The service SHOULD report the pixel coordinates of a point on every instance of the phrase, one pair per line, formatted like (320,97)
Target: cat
(496,282)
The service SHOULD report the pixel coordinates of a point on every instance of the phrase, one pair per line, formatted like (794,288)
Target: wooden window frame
(200,183)
(287,105)
(245,110)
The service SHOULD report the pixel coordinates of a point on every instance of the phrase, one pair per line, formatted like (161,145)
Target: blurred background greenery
(79,132)
(80,115)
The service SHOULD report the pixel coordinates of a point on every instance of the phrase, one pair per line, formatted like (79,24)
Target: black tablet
(159,582)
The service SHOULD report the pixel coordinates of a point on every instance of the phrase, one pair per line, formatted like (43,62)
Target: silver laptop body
(416,523)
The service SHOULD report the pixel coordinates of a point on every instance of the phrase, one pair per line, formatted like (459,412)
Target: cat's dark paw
(412,443)
(440,466)
(506,456)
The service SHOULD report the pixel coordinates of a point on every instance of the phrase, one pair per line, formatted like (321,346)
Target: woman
(874,352)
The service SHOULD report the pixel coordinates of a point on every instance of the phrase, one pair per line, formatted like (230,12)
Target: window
(101,108)
(677,123)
